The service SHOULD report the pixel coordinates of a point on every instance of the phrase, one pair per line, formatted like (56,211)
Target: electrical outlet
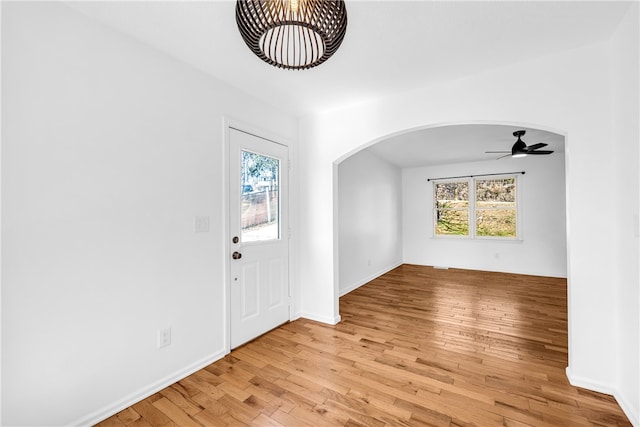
(164,337)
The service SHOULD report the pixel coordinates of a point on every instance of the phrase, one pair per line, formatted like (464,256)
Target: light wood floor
(417,346)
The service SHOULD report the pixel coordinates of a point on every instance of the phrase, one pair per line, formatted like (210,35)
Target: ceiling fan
(520,149)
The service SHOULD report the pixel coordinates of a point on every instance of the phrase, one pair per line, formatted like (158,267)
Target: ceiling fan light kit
(520,149)
(292,34)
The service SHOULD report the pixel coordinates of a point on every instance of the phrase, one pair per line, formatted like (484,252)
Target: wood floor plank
(112,421)
(265,421)
(140,422)
(128,416)
(210,419)
(185,403)
(286,419)
(417,346)
(174,413)
(151,414)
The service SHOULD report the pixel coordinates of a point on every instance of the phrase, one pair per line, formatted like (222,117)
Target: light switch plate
(200,224)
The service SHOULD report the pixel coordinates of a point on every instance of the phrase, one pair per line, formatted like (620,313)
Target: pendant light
(292,34)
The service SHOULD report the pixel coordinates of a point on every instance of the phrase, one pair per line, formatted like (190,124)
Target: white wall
(626,118)
(109,149)
(568,93)
(542,249)
(370,219)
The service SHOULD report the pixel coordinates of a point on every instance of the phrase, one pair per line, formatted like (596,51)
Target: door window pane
(260,197)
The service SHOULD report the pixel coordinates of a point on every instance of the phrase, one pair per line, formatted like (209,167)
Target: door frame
(227,124)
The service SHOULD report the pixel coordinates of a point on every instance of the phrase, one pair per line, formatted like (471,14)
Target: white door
(259,255)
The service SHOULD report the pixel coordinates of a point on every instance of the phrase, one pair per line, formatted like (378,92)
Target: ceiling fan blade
(540,152)
(496,152)
(536,146)
(502,157)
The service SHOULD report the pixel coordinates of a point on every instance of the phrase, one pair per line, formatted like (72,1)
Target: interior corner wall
(625,76)
(568,92)
(109,150)
(370,219)
(541,198)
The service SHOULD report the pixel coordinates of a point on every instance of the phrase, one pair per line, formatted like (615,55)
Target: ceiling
(390,47)
(459,144)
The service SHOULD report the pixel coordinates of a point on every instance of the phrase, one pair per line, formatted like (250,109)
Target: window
(260,197)
(496,212)
(476,207)
(452,208)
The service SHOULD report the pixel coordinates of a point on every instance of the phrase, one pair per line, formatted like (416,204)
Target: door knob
(236,255)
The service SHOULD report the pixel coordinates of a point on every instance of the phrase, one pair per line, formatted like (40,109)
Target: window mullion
(472,208)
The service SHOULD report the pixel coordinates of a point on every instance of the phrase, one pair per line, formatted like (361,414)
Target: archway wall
(569,93)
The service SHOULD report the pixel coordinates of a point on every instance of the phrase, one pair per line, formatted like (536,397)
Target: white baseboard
(322,319)
(629,410)
(143,393)
(589,384)
(359,283)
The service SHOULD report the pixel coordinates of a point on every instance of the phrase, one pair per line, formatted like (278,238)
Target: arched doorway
(375,235)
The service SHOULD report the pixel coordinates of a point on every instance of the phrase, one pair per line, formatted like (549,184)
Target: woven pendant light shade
(292,34)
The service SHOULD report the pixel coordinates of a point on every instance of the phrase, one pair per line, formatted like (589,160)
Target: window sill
(482,238)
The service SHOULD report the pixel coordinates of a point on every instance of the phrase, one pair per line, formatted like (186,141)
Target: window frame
(472,212)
